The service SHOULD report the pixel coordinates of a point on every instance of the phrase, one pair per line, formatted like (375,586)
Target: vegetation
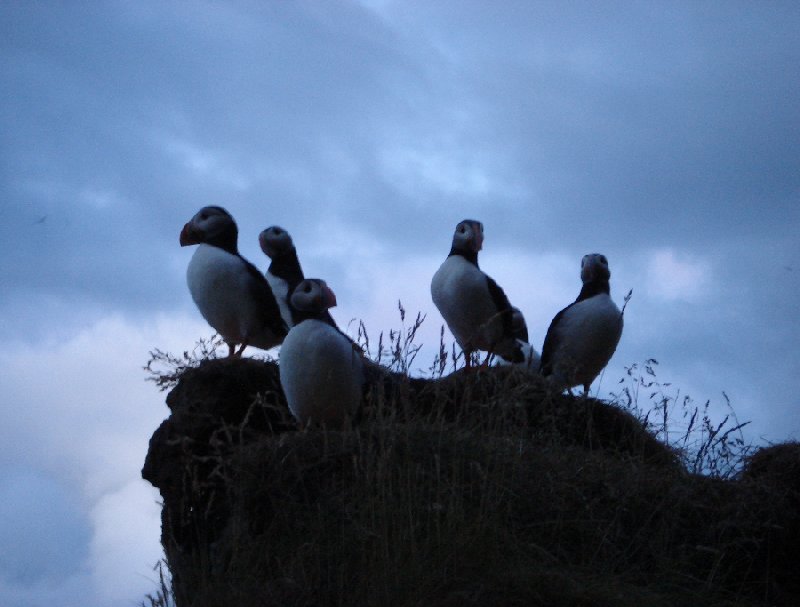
(464,489)
(706,446)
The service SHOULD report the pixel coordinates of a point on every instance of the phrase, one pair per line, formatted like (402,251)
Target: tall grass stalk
(711,447)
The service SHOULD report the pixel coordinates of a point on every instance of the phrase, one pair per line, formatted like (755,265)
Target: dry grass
(165,369)
(707,446)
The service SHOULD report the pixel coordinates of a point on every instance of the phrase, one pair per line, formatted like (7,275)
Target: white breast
(321,374)
(280,288)
(460,292)
(219,284)
(587,336)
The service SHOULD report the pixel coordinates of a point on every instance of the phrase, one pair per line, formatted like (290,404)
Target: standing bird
(584,335)
(284,272)
(322,373)
(232,295)
(472,304)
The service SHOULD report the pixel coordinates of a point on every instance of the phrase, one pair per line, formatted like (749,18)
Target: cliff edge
(474,489)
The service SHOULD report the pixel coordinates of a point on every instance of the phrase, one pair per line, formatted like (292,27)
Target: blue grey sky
(666,136)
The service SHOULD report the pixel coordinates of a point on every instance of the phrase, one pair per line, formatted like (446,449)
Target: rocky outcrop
(474,489)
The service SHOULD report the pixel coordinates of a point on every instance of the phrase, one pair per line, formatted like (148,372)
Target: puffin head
(275,240)
(211,225)
(468,236)
(313,295)
(594,267)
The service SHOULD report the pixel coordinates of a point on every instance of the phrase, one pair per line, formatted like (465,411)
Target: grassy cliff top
(472,489)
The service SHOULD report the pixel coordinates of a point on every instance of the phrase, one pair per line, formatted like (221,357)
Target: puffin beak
(328,297)
(187,235)
(262,242)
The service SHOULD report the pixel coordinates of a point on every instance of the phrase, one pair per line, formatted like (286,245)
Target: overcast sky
(664,135)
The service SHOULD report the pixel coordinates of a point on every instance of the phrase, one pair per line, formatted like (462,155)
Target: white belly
(280,289)
(218,282)
(460,292)
(321,374)
(588,333)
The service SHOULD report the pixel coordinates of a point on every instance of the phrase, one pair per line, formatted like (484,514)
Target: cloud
(100,198)
(123,552)
(439,170)
(72,455)
(44,532)
(73,591)
(204,163)
(673,276)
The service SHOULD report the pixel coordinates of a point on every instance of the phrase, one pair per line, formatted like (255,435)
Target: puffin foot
(469,363)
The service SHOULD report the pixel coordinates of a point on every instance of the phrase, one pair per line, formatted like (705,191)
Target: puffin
(230,292)
(473,305)
(583,336)
(322,373)
(284,272)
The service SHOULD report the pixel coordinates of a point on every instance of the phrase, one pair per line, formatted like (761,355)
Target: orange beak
(188,236)
(328,297)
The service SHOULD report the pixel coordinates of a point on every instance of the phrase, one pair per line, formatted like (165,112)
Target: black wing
(502,304)
(262,293)
(518,324)
(551,342)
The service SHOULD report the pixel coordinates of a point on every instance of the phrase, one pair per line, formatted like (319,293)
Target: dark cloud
(44,535)
(658,118)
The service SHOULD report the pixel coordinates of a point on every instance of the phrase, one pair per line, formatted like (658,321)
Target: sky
(663,135)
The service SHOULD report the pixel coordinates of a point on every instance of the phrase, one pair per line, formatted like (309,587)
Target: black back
(226,239)
(262,293)
(503,306)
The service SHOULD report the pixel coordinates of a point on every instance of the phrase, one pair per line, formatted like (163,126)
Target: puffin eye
(603,259)
(204,216)
(307,288)
(462,228)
